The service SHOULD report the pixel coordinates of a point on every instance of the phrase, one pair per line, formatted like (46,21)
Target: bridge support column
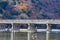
(29,33)
(32,32)
(48,32)
(12,33)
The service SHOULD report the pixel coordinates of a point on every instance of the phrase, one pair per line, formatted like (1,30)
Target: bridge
(45,21)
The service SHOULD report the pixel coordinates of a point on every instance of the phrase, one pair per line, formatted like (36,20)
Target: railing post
(12,32)
(32,35)
(48,32)
(29,34)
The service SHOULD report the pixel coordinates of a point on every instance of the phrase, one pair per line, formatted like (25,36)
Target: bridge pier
(32,35)
(12,33)
(48,31)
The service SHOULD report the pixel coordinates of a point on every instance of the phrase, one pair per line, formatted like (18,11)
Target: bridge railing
(47,22)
